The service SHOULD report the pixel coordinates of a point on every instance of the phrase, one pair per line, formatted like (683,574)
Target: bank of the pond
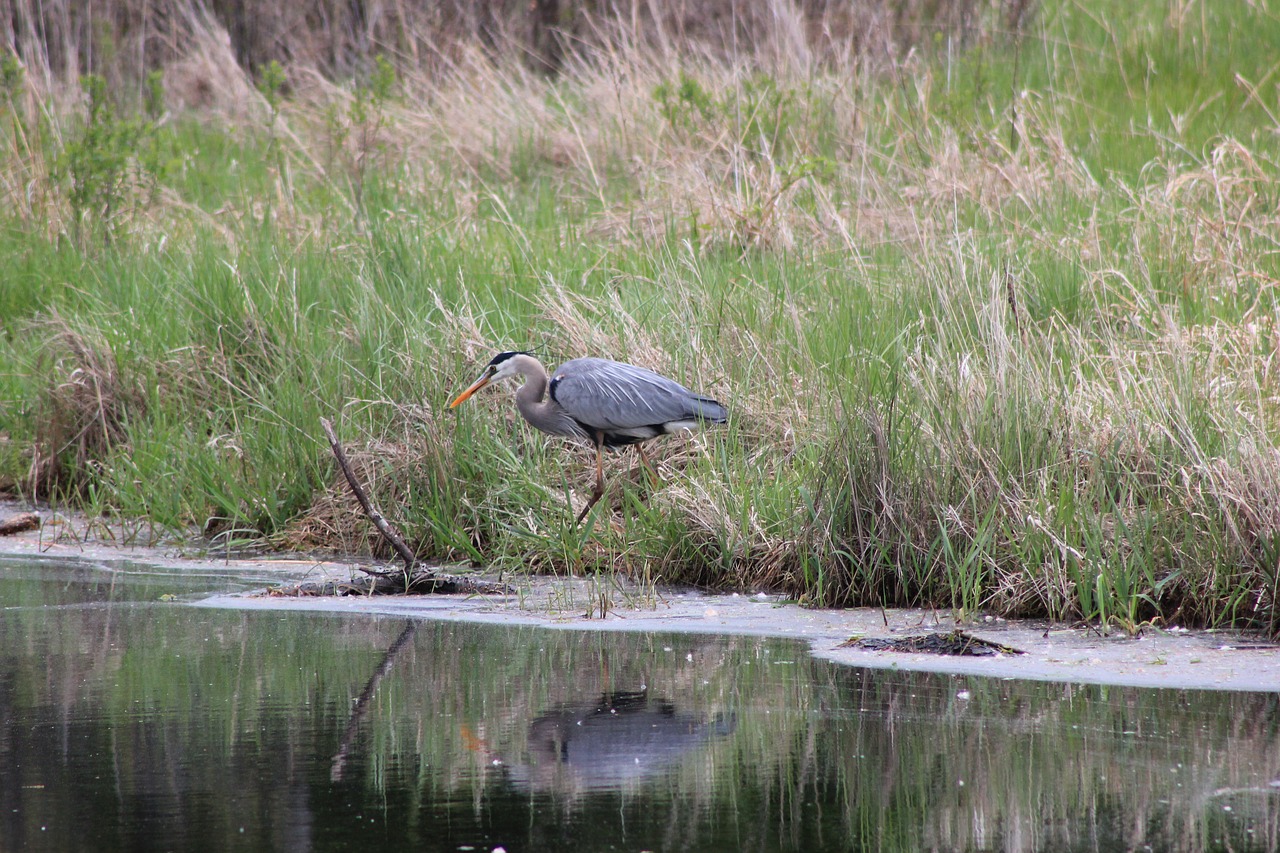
(1159,657)
(994,320)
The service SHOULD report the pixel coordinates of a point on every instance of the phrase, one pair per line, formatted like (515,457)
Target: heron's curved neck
(530,397)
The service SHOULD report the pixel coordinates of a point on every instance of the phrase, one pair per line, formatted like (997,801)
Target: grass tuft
(83,409)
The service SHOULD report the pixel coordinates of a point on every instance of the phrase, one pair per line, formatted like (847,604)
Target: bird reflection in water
(621,740)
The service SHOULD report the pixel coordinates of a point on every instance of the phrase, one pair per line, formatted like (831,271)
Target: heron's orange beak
(476,386)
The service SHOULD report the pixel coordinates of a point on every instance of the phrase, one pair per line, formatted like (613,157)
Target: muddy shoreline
(1211,660)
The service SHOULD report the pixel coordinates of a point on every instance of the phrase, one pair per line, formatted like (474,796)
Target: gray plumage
(606,403)
(628,403)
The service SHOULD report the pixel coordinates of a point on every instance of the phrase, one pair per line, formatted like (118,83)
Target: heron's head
(503,366)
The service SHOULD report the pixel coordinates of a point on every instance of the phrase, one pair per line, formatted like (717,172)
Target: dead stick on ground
(20,522)
(376,517)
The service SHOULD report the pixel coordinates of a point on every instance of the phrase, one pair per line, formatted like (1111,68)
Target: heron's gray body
(627,404)
(603,403)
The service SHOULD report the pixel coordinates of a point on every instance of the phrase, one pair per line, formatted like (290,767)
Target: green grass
(995,327)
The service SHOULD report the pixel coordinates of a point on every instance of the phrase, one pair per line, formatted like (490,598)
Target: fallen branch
(19,522)
(424,582)
(376,517)
(414,578)
(956,642)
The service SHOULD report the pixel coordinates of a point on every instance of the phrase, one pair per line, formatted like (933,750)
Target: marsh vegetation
(989,288)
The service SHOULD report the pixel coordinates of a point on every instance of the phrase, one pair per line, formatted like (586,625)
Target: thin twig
(376,517)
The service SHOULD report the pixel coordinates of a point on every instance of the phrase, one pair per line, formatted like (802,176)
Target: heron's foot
(596,494)
(636,475)
(654,480)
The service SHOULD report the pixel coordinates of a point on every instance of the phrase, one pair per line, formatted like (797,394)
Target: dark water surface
(132,721)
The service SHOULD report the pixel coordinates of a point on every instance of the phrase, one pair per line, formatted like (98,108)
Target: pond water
(130,720)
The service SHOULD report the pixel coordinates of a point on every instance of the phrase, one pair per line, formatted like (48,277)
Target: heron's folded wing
(610,395)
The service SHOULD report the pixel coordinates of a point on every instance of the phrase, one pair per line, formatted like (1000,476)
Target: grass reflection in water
(128,722)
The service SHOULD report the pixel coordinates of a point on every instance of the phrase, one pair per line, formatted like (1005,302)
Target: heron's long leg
(654,479)
(598,492)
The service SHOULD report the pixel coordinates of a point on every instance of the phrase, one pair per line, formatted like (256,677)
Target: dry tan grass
(84,409)
(204,78)
(459,110)
(1185,411)
(485,114)
(125,38)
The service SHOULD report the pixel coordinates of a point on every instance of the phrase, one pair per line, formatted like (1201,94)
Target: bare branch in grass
(414,577)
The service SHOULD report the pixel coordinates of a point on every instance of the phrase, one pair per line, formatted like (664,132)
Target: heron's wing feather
(610,395)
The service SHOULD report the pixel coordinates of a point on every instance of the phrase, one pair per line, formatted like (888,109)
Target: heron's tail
(707,409)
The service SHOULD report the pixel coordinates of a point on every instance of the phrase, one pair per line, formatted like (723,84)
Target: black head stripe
(504,356)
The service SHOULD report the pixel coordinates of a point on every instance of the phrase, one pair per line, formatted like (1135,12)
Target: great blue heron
(601,402)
